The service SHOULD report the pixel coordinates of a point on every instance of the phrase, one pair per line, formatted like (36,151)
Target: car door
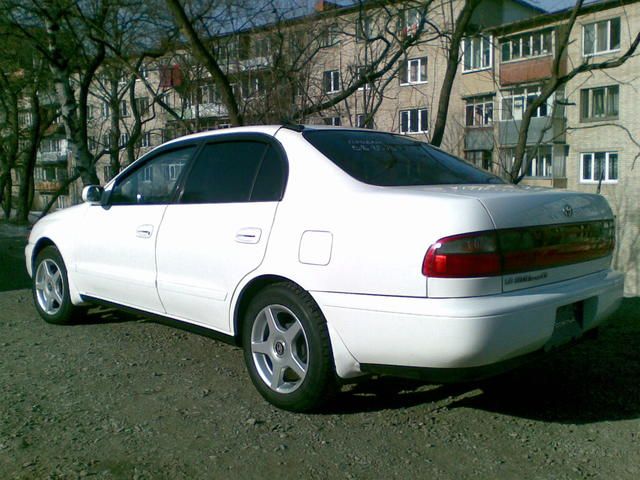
(116,249)
(218,230)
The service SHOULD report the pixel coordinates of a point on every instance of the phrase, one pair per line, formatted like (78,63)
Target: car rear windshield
(386,159)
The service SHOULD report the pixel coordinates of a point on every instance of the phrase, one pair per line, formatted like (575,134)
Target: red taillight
(515,250)
(472,255)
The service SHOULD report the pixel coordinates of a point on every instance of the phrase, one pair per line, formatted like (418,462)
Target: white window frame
(422,112)
(470,41)
(590,117)
(607,161)
(475,102)
(528,36)
(407,71)
(334,83)
(145,140)
(526,92)
(596,24)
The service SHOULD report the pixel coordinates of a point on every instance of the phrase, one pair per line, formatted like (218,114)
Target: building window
(209,94)
(124,139)
(24,119)
(105,109)
(599,165)
(143,72)
(145,139)
(515,102)
(479,158)
(364,29)
(124,109)
(479,111)
(599,103)
(409,21)
(331,81)
(413,71)
(51,145)
(414,120)
(250,87)
(328,36)
(601,37)
(107,173)
(142,103)
(478,53)
(61,202)
(361,121)
(541,164)
(527,45)
(333,121)
(361,71)
(261,47)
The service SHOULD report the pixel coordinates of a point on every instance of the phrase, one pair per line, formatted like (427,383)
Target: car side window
(235,171)
(155,181)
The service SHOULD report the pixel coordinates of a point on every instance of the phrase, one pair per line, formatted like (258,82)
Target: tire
(51,288)
(287,349)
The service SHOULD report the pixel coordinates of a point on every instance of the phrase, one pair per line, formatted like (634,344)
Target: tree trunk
(84,161)
(6,185)
(453,59)
(25,192)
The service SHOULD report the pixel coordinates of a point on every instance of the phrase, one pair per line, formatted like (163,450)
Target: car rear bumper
(463,333)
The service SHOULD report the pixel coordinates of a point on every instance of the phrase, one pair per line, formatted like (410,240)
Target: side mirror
(92,194)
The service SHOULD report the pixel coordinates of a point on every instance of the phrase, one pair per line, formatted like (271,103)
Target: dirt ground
(122,397)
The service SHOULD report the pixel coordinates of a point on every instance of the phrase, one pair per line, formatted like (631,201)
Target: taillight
(471,255)
(515,250)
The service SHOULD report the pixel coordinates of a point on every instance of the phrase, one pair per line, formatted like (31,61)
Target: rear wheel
(287,348)
(51,288)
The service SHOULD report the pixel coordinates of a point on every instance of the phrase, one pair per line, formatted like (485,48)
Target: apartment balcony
(478,138)
(205,110)
(52,157)
(528,70)
(541,130)
(49,186)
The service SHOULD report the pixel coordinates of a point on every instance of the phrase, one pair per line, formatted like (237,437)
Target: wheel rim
(49,287)
(279,348)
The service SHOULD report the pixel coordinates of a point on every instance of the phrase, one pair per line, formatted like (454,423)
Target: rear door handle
(248,235)
(144,231)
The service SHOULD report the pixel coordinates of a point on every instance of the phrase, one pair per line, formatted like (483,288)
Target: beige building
(585,137)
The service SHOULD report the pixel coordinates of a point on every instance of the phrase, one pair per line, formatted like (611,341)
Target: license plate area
(568,325)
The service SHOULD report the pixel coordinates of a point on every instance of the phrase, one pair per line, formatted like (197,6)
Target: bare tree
(557,79)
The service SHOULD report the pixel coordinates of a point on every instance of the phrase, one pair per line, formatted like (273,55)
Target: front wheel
(287,348)
(51,288)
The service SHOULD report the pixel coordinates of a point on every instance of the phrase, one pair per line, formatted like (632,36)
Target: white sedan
(330,253)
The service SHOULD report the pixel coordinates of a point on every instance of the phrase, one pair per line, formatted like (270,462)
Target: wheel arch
(40,245)
(248,292)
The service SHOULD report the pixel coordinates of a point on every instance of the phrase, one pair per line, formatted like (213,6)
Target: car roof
(265,129)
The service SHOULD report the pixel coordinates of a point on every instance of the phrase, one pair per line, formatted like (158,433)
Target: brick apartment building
(585,138)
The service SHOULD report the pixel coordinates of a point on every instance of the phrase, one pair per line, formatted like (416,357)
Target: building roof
(554,6)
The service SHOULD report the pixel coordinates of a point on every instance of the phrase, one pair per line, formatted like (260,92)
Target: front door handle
(144,231)
(248,235)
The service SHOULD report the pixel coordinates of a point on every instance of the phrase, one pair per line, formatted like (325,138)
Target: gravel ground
(122,397)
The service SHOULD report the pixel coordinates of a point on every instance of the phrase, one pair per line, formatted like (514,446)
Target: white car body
(356,248)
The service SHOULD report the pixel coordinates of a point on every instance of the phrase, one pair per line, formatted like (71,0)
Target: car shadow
(596,380)
(107,315)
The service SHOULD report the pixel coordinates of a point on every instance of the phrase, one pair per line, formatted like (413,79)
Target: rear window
(391,160)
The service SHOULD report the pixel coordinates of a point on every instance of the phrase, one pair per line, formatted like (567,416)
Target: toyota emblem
(567,210)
